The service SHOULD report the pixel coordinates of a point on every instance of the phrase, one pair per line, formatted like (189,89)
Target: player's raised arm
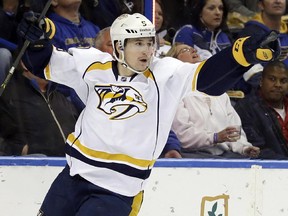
(223,70)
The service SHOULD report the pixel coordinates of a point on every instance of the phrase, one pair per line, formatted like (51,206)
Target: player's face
(212,14)
(158,16)
(187,53)
(138,52)
(273,7)
(274,85)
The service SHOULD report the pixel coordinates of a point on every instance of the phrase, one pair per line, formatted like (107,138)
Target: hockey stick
(22,51)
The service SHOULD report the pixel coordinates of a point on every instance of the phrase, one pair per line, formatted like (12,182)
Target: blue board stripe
(181,163)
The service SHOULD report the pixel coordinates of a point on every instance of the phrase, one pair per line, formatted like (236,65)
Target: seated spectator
(184,53)
(103,41)
(160,26)
(264,112)
(172,148)
(34,117)
(72,30)
(204,124)
(208,34)
(208,31)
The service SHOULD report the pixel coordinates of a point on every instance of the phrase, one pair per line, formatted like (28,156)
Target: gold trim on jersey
(99,66)
(194,84)
(148,74)
(47,72)
(108,156)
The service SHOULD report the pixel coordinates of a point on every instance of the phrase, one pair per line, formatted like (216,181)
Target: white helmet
(130,26)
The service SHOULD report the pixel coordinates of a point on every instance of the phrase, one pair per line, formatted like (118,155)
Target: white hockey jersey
(126,122)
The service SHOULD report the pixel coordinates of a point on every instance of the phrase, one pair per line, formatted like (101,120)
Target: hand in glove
(34,30)
(256,49)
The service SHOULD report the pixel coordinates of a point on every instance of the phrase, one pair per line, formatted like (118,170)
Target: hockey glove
(256,49)
(33,30)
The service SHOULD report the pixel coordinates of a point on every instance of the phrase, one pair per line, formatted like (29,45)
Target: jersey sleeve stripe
(99,66)
(194,81)
(47,72)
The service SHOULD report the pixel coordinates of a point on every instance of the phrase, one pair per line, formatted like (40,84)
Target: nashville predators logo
(120,102)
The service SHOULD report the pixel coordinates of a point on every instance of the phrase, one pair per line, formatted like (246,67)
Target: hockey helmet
(130,26)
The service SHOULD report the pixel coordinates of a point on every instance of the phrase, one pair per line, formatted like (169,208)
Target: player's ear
(119,47)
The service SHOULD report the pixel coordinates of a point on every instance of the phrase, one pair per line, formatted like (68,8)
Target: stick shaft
(22,51)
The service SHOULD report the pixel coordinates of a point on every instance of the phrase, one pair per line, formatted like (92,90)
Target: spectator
(160,26)
(184,53)
(103,41)
(34,118)
(208,32)
(204,123)
(264,113)
(269,18)
(172,148)
(72,30)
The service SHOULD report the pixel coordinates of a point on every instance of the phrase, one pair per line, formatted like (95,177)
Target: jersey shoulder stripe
(99,66)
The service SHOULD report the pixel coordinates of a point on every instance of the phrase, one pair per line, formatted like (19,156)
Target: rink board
(176,187)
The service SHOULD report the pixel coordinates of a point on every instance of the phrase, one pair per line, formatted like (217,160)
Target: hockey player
(130,105)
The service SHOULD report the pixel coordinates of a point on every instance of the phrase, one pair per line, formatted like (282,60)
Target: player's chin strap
(126,65)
